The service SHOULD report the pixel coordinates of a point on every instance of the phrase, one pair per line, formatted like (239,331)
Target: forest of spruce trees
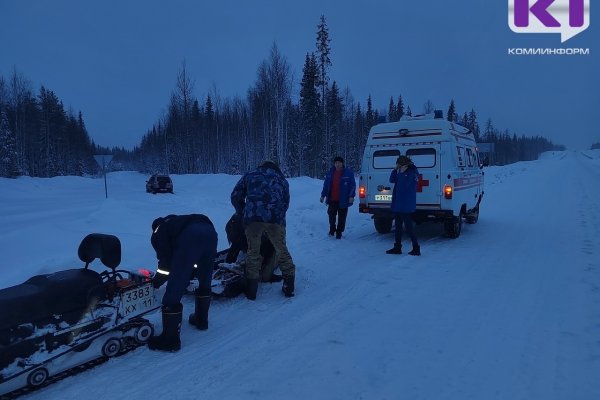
(38,137)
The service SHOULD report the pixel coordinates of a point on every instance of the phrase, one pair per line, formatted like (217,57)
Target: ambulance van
(450,186)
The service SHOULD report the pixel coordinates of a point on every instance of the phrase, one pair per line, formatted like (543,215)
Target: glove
(159,279)
(321,199)
(351,200)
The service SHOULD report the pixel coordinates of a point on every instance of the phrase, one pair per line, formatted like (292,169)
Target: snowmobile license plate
(137,300)
(383,197)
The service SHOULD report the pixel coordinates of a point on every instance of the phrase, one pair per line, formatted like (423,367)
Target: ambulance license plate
(137,300)
(383,197)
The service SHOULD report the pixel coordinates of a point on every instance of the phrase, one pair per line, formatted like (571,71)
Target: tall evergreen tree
(361,132)
(310,117)
(464,121)
(399,108)
(52,133)
(324,62)
(392,112)
(8,152)
(209,126)
(452,116)
(473,125)
(323,52)
(370,115)
(335,119)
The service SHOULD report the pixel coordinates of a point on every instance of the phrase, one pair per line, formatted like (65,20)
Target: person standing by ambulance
(404,203)
(338,193)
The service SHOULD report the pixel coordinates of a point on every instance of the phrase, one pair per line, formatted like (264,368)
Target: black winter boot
(332,230)
(416,250)
(168,340)
(397,249)
(200,316)
(251,288)
(288,286)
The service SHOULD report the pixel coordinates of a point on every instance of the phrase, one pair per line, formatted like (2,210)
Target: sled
(52,323)
(227,278)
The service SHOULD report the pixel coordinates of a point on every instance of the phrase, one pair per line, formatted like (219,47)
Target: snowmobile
(54,322)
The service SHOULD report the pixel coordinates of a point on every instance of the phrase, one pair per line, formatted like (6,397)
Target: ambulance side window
(422,158)
(470,157)
(461,156)
(385,159)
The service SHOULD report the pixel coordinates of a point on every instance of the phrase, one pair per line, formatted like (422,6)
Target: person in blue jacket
(338,193)
(404,202)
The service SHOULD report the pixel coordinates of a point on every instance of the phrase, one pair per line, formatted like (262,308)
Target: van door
(426,158)
(379,189)
(474,170)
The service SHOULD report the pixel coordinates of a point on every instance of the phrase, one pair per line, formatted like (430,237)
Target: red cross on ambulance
(422,183)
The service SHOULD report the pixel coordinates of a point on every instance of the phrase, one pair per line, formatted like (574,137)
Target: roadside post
(103,160)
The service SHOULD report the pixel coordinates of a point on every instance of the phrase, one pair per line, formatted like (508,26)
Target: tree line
(38,137)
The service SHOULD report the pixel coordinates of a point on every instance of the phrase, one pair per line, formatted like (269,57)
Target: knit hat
(338,158)
(403,160)
(268,163)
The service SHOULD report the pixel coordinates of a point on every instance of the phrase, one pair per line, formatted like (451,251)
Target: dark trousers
(193,255)
(406,219)
(333,210)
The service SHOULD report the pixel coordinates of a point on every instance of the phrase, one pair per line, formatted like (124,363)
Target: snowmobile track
(68,373)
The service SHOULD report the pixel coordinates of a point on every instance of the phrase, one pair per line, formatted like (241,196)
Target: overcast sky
(117,61)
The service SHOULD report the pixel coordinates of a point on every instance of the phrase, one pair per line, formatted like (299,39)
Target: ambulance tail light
(362,192)
(448,192)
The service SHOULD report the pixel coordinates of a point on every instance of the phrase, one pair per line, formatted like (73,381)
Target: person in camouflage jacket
(262,198)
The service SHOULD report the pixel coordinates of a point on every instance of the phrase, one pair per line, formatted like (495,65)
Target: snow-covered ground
(509,310)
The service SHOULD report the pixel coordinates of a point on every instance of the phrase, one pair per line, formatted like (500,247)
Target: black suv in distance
(159,184)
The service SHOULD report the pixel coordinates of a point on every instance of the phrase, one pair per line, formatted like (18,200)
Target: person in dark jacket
(185,245)
(262,197)
(404,202)
(234,229)
(338,192)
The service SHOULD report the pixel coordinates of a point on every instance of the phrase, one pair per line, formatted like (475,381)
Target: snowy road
(509,310)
